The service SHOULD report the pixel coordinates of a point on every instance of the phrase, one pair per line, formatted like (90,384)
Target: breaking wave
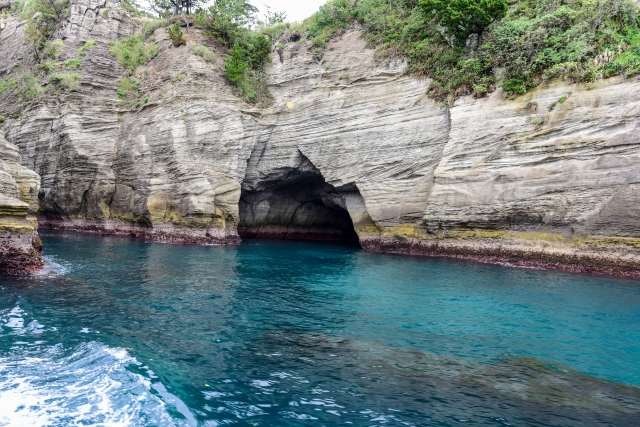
(86,384)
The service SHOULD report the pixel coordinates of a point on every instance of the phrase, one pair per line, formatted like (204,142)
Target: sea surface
(119,332)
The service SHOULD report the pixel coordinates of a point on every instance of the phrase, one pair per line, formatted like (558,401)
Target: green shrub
(6,84)
(537,122)
(237,64)
(141,102)
(24,87)
(461,18)
(535,41)
(73,63)
(2,120)
(244,65)
(150,26)
(53,49)
(517,86)
(227,21)
(177,37)
(253,87)
(17,6)
(127,87)
(332,17)
(88,45)
(133,52)
(274,32)
(67,81)
(48,65)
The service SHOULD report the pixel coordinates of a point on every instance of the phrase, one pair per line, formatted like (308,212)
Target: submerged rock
(513,390)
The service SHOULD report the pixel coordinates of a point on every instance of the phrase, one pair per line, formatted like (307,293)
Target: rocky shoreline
(20,249)
(599,259)
(168,233)
(20,245)
(587,257)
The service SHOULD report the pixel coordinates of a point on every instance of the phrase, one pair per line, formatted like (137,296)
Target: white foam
(242,409)
(51,266)
(15,320)
(330,403)
(510,265)
(296,416)
(215,394)
(88,385)
(14,323)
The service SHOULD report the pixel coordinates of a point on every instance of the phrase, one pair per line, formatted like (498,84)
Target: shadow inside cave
(299,206)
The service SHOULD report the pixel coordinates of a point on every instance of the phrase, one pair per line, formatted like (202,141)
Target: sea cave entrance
(298,205)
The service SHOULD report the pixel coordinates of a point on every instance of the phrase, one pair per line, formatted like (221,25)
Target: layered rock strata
(545,180)
(549,179)
(348,144)
(20,245)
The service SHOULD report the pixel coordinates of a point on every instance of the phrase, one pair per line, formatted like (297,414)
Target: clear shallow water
(275,333)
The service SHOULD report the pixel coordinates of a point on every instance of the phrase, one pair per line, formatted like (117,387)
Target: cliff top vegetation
(467,47)
(517,44)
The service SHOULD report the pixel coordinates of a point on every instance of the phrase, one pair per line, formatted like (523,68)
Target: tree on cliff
(43,15)
(226,19)
(133,8)
(272,17)
(461,18)
(166,8)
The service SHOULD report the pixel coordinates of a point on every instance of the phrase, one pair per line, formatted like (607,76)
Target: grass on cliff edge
(538,40)
(247,50)
(133,52)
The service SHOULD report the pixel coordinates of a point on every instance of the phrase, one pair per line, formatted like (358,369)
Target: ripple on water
(293,334)
(86,384)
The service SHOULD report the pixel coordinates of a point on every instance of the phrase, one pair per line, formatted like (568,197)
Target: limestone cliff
(19,243)
(349,144)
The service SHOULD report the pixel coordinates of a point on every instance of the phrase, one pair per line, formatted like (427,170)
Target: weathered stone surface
(549,179)
(19,243)
(551,176)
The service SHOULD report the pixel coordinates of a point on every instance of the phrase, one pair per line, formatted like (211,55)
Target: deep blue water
(274,333)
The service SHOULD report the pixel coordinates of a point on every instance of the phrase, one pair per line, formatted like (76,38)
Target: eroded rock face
(548,179)
(169,170)
(19,242)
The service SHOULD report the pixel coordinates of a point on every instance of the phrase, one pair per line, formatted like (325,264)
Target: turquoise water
(274,333)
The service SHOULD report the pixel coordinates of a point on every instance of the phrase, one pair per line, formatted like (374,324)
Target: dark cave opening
(299,207)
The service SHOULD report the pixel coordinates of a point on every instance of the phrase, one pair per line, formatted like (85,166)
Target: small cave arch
(296,204)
